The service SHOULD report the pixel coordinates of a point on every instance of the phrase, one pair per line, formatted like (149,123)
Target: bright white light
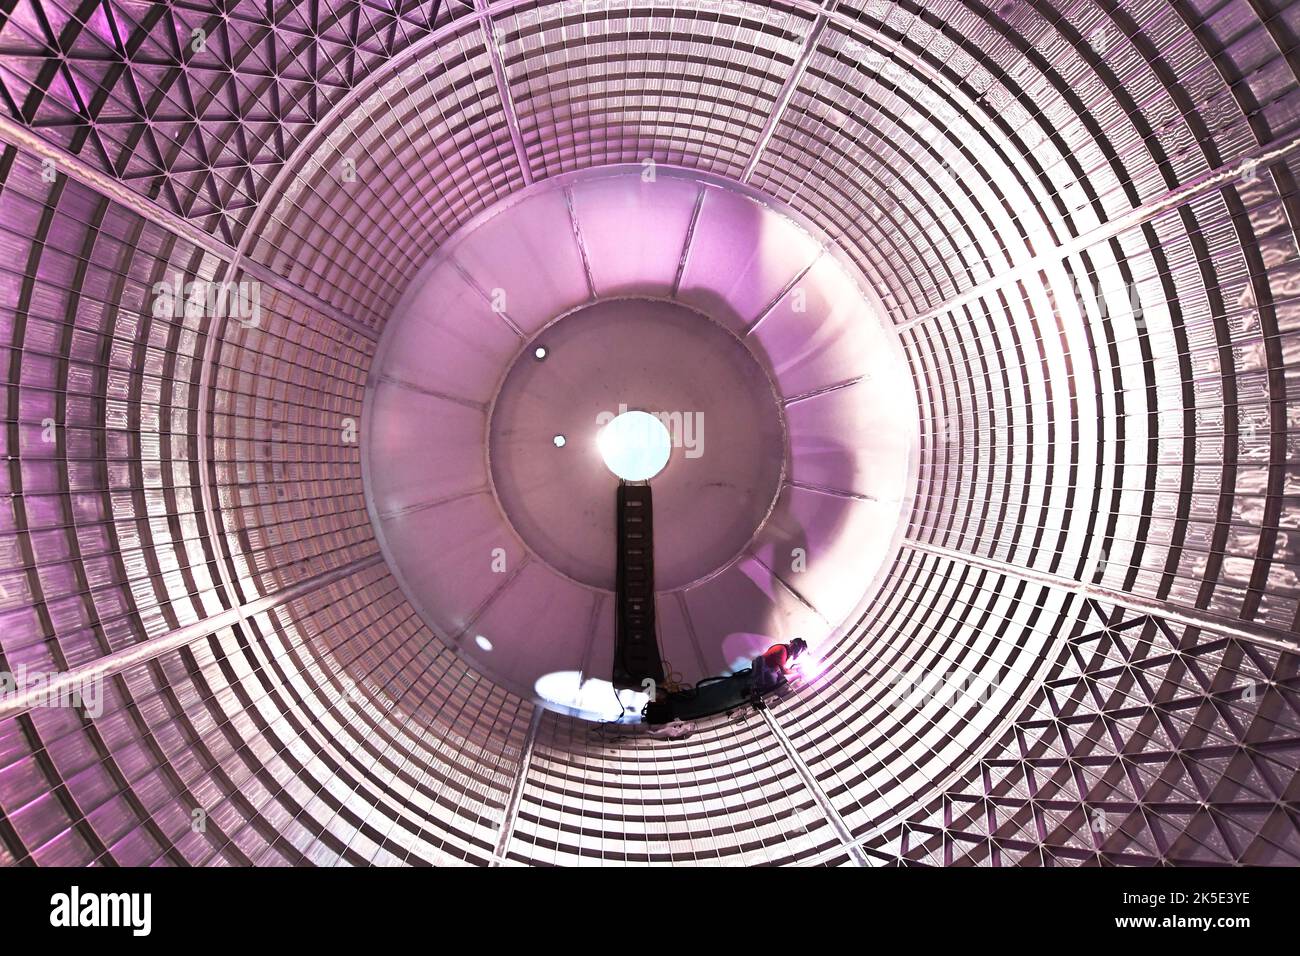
(540,352)
(635,446)
(559,441)
(483,642)
(593,698)
(808,666)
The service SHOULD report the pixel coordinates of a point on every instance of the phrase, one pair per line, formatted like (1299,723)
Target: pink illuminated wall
(1050,250)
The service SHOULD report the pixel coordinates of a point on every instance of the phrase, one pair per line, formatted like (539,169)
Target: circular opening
(710,391)
(635,446)
(539,353)
(559,441)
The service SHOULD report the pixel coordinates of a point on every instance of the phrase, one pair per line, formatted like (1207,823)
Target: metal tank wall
(1080,217)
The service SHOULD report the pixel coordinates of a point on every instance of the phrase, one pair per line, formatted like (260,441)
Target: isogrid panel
(688,82)
(280,756)
(727,795)
(1162,328)
(287,411)
(1147,743)
(97,523)
(198,107)
(1119,412)
(940,667)
(1199,50)
(384,186)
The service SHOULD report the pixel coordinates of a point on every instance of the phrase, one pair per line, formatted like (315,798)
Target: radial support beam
(684,259)
(503,88)
(825,389)
(790,588)
(517,789)
(833,492)
(62,686)
(581,243)
(207,470)
(25,139)
(818,794)
(1194,188)
(1248,631)
(788,88)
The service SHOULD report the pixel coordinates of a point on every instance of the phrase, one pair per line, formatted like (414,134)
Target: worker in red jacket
(770,667)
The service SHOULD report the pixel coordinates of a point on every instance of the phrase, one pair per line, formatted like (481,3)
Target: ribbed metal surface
(1057,203)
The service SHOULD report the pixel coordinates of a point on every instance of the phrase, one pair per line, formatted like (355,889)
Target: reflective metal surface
(1079,218)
